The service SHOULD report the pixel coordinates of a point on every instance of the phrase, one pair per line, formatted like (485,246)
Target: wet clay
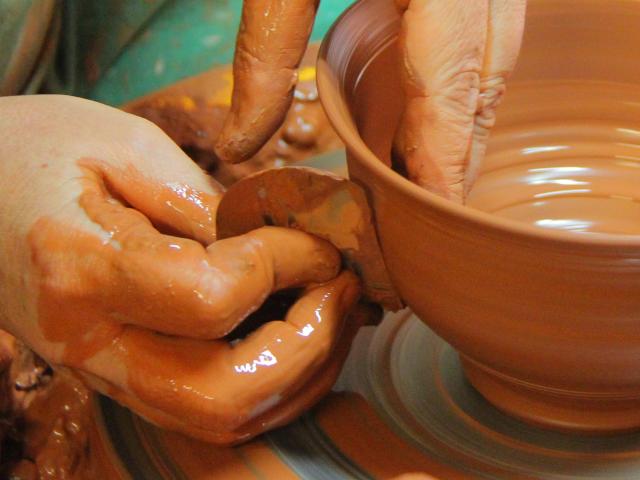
(316,202)
(192,112)
(48,425)
(203,461)
(455,59)
(223,386)
(577,169)
(227,393)
(345,418)
(271,41)
(60,439)
(131,240)
(538,284)
(360,434)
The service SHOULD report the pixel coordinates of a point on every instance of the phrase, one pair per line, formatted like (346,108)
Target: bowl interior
(564,154)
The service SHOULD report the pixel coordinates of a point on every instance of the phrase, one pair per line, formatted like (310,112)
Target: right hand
(456,57)
(92,285)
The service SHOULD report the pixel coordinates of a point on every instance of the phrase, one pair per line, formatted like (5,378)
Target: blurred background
(116,50)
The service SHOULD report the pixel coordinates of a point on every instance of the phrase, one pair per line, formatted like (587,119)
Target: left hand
(111,270)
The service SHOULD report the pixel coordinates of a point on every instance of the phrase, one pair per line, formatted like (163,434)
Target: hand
(271,41)
(456,57)
(110,270)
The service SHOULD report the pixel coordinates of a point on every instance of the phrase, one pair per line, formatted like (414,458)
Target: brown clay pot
(547,322)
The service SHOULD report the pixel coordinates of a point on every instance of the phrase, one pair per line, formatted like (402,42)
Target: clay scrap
(316,202)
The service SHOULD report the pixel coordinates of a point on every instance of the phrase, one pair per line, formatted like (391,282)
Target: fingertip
(228,147)
(299,258)
(351,288)
(345,289)
(328,260)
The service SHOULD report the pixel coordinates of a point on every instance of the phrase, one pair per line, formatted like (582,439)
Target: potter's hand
(456,56)
(271,41)
(89,281)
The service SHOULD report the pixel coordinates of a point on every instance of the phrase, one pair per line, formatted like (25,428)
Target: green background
(128,48)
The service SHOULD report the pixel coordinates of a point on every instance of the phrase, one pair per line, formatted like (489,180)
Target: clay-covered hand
(271,41)
(110,270)
(456,57)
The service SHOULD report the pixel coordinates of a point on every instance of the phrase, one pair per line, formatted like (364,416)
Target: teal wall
(178,38)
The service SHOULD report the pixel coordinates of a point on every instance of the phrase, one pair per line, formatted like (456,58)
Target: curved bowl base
(556,410)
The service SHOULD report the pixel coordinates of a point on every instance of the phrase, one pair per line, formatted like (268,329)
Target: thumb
(162,182)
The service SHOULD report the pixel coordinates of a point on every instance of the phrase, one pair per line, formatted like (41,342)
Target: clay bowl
(546,320)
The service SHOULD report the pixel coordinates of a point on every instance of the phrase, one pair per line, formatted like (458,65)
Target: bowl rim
(327,86)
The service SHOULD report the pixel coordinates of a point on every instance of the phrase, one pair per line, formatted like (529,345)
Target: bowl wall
(547,322)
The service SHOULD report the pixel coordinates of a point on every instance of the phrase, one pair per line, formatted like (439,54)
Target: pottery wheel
(401,405)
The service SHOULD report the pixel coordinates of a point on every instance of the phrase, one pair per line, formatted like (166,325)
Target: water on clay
(568,167)
(564,154)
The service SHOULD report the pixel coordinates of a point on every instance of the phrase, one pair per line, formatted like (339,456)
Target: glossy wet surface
(403,406)
(565,156)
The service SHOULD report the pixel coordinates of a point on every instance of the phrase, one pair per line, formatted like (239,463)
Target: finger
(138,161)
(316,387)
(506,25)
(281,414)
(271,42)
(442,47)
(286,411)
(316,202)
(127,269)
(163,183)
(219,387)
